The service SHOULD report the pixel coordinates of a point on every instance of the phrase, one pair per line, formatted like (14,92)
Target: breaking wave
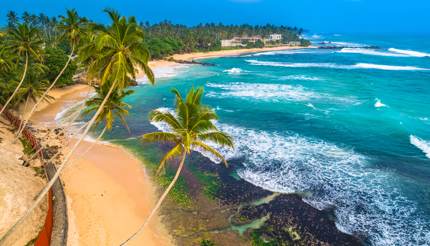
(270,92)
(336,66)
(300,77)
(164,72)
(288,52)
(367,200)
(234,71)
(412,53)
(424,146)
(379,104)
(370,52)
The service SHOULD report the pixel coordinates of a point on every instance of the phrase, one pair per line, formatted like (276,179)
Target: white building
(240,41)
(275,37)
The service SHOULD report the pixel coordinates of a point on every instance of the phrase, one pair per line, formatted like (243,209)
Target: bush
(206,242)
(55,59)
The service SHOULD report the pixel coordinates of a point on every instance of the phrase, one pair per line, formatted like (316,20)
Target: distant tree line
(165,38)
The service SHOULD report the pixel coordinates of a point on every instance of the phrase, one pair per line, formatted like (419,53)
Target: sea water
(350,127)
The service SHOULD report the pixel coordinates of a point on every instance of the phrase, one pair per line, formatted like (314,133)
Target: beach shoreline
(109,177)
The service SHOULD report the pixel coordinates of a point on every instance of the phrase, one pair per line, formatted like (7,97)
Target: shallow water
(350,127)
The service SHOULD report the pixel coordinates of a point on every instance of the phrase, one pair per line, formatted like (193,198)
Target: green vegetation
(55,58)
(164,39)
(209,181)
(109,54)
(206,242)
(257,240)
(28,149)
(191,126)
(38,53)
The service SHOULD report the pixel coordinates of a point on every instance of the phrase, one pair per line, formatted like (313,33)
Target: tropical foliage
(165,38)
(191,127)
(112,56)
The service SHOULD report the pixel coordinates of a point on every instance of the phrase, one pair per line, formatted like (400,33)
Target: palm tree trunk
(19,85)
(51,182)
(160,201)
(25,109)
(46,92)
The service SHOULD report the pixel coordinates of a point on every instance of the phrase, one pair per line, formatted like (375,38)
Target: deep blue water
(350,127)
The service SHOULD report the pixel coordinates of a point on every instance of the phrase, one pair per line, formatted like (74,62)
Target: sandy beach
(109,194)
(108,191)
(235,52)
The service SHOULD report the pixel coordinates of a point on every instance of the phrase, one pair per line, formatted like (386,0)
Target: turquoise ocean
(348,127)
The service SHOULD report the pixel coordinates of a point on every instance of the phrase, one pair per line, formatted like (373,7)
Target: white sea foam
(336,66)
(379,104)
(266,92)
(368,201)
(412,53)
(370,52)
(288,52)
(300,77)
(310,105)
(164,72)
(234,71)
(272,92)
(344,44)
(388,67)
(421,144)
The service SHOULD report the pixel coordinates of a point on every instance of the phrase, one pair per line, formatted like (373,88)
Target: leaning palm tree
(114,108)
(119,53)
(71,26)
(24,41)
(191,127)
(33,87)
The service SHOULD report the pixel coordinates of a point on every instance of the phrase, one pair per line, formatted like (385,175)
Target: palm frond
(217,137)
(161,137)
(211,150)
(175,151)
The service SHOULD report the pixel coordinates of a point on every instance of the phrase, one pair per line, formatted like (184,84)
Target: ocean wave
(234,71)
(336,66)
(367,200)
(267,92)
(300,77)
(344,44)
(288,52)
(388,67)
(271,92)
(412,53)
(164,72)
(379,104)
(423,145)
(369,52)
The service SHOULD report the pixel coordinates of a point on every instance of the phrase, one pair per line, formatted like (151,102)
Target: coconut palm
(24,41)
(114,108)
(120,53)
(71,26)
(191,127)
(6,61)
(33,87)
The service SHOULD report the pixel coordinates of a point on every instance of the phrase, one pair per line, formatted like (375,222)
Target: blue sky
(329,16)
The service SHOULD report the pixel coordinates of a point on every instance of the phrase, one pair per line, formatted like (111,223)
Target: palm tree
(6,61)
(72,31)
(120,52)
(114,108)
(190,128)
(33,87)
(25,42)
